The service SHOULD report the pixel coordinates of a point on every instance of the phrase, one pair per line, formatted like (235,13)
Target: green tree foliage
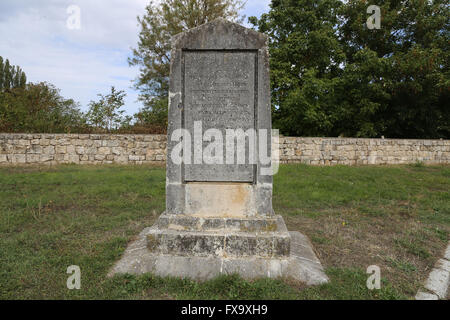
(38,107)
(153,118)
(105,114)
(160,22)
(11,76)
(7,75)
(2,73)
(403,67)
(331,75)
(305,64)
(34,107)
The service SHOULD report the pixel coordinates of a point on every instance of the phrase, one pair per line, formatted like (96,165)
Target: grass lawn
(396,217)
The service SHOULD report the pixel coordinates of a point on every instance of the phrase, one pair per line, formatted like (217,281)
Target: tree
(95,115)
(331,75)
(152,55)
(11,76)
(1,73)
(23,80)
(402,68)
(7,76)
(305,64)
(38,107)
(153,117)
(105,113)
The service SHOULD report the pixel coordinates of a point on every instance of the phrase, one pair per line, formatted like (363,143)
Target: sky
(43,38)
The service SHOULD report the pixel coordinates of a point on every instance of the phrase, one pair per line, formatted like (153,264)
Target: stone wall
(19,149)
(352,151)
(81,149)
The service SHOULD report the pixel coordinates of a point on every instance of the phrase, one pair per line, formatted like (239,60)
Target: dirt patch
(404,248)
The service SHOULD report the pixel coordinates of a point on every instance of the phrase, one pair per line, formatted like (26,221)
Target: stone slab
(219,199)
(447,252)
(426,296)
(224,241)
(196,223)
(219,79)
(219,91)
(439,279)
(443,264)
(302,264)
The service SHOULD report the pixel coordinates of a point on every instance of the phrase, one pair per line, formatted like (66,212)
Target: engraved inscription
(219,91)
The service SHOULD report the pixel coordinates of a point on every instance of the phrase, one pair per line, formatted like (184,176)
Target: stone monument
(219,217)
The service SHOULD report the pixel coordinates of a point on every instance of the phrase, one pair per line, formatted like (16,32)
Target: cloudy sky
(81,62)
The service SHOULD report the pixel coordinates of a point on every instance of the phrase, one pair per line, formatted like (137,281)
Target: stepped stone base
(184,235)
(203,248)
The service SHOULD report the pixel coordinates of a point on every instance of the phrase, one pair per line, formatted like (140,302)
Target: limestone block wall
(21,149)
(17,149)
(353,151)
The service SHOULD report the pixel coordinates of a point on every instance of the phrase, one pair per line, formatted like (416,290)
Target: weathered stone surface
(219,91)
(447,252)
(49,149)
(439,279)
(426,296)
(220,199)
(301,265)
(188,237)
(219,83)
(219,76)
(194,223)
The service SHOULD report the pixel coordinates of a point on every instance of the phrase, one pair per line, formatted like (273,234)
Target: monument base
(300,263)
(225,237)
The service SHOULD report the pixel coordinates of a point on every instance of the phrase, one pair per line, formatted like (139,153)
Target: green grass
(50,218)
(421,191)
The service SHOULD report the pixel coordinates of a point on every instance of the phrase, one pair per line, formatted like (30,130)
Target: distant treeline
(39,108)
(11,76)
(333,74)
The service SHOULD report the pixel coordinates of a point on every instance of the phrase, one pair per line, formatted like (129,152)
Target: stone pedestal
(219,217)
(301,264)
(219,237)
